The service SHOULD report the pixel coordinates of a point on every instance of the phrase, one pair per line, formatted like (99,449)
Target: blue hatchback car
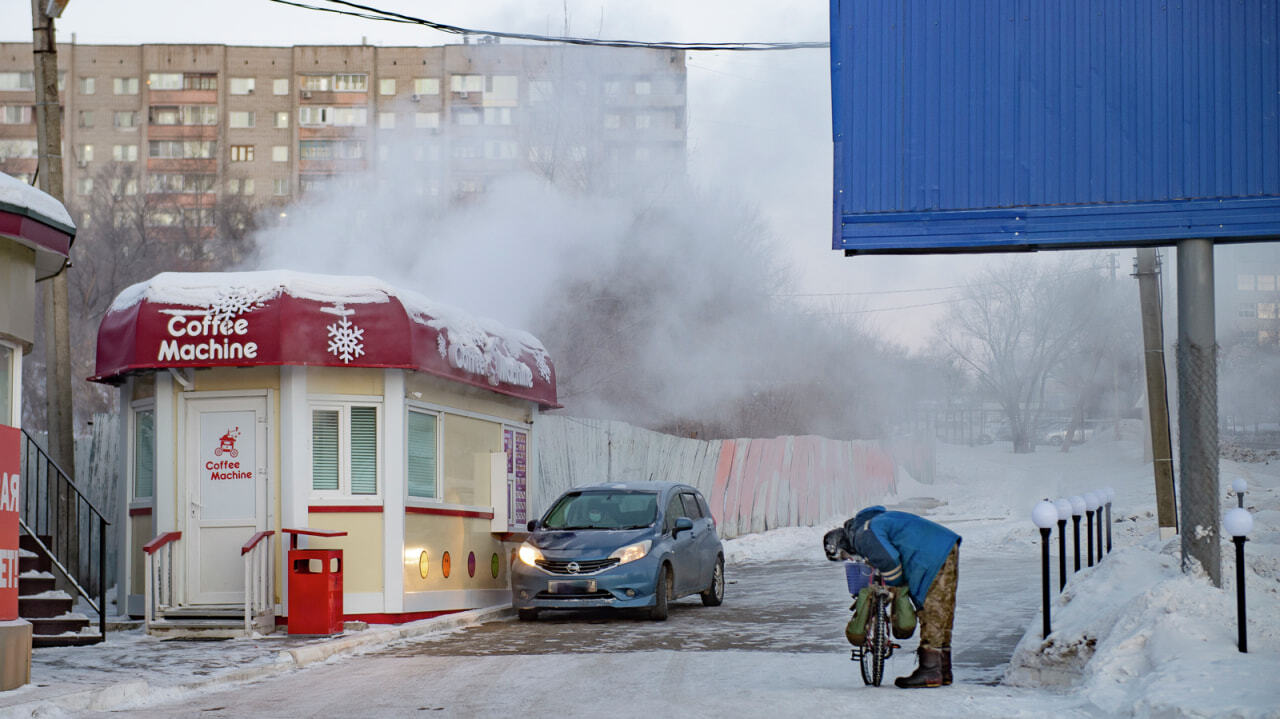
(628,545)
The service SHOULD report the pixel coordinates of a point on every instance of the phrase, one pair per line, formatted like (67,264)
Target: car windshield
(605,509)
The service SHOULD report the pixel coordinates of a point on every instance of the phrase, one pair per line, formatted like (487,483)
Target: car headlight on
(529,554)
(632,552)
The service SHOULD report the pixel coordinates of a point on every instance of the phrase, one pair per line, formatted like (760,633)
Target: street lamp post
(1238,522)
(1077,509)
(1239,486)
(1090,506)
(1064,513)
(1044,515)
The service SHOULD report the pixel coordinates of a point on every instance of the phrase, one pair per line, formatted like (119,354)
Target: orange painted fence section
(752,484)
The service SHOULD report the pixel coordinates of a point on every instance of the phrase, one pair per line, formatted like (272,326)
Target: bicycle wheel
(876,646)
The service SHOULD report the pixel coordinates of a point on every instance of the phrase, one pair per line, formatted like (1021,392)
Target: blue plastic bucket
(858,575)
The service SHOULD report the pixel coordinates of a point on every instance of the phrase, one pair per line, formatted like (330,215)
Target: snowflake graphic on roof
(235,301)
(346,340)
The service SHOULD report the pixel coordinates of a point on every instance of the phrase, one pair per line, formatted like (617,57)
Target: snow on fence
(752,484)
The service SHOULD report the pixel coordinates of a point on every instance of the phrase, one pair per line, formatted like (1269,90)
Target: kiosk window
(344,450)
(144,453)
(422,454)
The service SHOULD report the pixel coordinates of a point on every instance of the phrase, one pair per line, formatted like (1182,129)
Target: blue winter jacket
(905,548)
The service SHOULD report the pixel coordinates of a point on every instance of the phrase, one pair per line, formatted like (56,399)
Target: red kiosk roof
(35,219)
(240,319)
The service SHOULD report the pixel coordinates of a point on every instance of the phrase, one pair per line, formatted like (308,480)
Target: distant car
(631,545)
(1057,437)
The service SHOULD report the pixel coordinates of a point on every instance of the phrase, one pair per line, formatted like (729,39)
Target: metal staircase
(63,554)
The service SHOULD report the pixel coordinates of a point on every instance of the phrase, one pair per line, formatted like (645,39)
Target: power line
(372,13)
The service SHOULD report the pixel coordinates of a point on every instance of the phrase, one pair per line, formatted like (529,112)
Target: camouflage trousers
(939,611)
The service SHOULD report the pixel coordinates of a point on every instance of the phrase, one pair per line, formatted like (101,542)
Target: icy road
(775,648)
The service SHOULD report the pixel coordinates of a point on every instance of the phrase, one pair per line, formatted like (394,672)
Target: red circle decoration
(446,564)
(471,564)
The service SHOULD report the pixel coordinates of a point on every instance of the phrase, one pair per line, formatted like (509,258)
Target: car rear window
(605,509)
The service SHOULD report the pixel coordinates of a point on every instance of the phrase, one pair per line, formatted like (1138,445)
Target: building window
(428,120)
(282,120)
(238,186)
(1266,310)
(179,81)
(280,187)
(10,149)
(280,86)
(88,85)
(125,120)
(642,121)
(172,182)
(85,118)
(279,153)
(84,186)
(15,115)
(17,81)
(387,86)
(165,81)
(183,115)
(501,149)
(1266,283)
(130,187)
(612,121)
(144,453)
(1245,282)
(422,451)
(466,83)
(124,153)
(466,116)
(344,449)
(612,88)
(497,116)
(426,86)
(351,82)
(643,87)
(124,85)
(200,81)
(241,86)
(386,120)
(84,153)
(182,149)
(502,88)
(240,118)
(242,153)
(7,391)
(331,150)
(350,116)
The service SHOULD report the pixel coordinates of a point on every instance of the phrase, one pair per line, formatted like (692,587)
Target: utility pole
(1148,274)
(57,343)
(1198,409)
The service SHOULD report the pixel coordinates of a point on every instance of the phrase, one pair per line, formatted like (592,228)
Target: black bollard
(1088,513)
(1098,513)
(1108,527)
(1044,575)
(1242,640)
(1075,521)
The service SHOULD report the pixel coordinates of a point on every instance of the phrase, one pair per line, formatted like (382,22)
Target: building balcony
(332,166)
(329,97)
(182,132)
(187,165)
(183,97)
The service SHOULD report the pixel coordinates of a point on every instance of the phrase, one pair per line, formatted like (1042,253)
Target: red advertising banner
(10,479)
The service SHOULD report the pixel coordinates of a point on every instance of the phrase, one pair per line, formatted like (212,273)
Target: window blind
(364,450)
(324,449)
(422,455)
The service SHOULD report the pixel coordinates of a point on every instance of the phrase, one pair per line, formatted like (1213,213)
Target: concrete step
(48,626)
(44,604)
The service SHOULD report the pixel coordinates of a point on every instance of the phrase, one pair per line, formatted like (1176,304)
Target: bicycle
(878,644)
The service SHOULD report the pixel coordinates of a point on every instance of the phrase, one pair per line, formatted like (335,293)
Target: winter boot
(946,666)
(927,674)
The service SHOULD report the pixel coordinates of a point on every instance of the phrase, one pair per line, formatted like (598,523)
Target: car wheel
(527,615)
(713,595)
(658,612)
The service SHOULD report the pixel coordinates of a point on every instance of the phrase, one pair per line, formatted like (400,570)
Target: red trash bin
(315,586)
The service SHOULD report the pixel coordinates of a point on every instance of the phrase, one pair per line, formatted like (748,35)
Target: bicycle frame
(878,644)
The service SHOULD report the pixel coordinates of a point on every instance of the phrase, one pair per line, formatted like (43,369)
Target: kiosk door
(226,460)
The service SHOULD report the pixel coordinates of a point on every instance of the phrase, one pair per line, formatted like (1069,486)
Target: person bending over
(924,556)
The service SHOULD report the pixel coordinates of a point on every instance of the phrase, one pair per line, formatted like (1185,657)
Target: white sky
(758,121)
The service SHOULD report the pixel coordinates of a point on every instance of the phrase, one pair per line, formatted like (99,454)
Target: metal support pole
(1089,538)
(1044,576)
(1241,640)
(1108,528)
(1075,520)
(1062,554)
(1198,409)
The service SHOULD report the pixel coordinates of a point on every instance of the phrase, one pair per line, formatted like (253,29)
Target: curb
(121,694)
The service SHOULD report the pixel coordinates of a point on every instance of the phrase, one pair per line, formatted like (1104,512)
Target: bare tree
(1013,327)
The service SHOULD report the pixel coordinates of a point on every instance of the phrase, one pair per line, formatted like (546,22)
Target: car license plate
(582,586)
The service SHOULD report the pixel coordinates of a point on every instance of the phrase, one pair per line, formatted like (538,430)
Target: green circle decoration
(495,565)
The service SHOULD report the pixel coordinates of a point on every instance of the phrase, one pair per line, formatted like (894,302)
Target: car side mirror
(533,524)
(683,524)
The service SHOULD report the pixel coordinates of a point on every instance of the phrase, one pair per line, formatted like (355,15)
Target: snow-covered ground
(1132,636)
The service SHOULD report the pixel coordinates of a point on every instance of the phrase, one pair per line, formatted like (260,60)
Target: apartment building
(1247,279)
(195,123)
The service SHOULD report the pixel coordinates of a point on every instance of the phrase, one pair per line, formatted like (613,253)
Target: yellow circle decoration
(423,563)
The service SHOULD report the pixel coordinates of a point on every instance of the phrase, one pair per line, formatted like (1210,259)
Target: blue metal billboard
(994,125)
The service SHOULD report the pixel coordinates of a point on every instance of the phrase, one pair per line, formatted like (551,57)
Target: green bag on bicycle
(856,630)
(902,614)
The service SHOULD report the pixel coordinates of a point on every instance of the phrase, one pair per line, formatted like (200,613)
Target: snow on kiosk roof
(35,219)
(239,319)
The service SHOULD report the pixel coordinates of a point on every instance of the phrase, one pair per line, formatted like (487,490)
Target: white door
(226,459)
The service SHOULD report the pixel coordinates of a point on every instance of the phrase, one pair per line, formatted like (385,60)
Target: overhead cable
(371,13)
